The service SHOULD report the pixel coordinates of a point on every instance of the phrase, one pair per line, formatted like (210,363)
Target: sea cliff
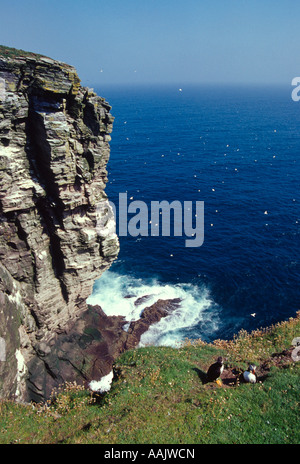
(54,148)
(56,237)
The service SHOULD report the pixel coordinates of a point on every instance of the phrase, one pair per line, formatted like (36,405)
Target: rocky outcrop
(54,147)
(89,346)
(149,316)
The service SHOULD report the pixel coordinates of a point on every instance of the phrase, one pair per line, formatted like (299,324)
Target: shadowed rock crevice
(39,155)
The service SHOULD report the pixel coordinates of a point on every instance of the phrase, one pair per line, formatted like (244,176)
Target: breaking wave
(197,316)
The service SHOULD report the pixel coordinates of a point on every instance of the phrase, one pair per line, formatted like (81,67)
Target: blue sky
(161,41)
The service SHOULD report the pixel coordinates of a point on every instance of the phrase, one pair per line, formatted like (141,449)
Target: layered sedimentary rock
(54,147)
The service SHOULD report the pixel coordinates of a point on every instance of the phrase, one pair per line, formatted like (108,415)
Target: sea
(235,150)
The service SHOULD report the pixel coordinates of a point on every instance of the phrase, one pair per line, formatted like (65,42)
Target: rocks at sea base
(150,315)
(89,346)
(55,236)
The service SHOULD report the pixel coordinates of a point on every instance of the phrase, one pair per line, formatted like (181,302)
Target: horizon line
(181,85)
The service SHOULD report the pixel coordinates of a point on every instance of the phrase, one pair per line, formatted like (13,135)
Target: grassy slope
(9,52)
(159,398)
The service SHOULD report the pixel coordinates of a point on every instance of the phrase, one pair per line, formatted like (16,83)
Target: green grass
(9,52)
(159,398)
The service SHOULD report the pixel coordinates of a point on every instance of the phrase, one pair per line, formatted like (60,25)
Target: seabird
(215,370)
(249,376)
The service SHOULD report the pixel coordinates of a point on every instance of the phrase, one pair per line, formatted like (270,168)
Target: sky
(161,41)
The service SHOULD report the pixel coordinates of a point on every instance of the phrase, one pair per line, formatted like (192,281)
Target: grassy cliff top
(159,398)
(9,52)
(16,54)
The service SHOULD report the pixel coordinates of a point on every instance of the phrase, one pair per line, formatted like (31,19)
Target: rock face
(54,147)
(149,316)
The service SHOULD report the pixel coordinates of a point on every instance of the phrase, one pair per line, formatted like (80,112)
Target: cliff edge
(54,147)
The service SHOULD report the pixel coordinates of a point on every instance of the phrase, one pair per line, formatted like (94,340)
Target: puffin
(215,370)
(249,376)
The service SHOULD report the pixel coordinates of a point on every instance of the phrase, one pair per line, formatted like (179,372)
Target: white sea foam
(196,310)
(117,295)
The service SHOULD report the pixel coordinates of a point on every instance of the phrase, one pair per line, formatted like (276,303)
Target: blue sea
(236,149)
